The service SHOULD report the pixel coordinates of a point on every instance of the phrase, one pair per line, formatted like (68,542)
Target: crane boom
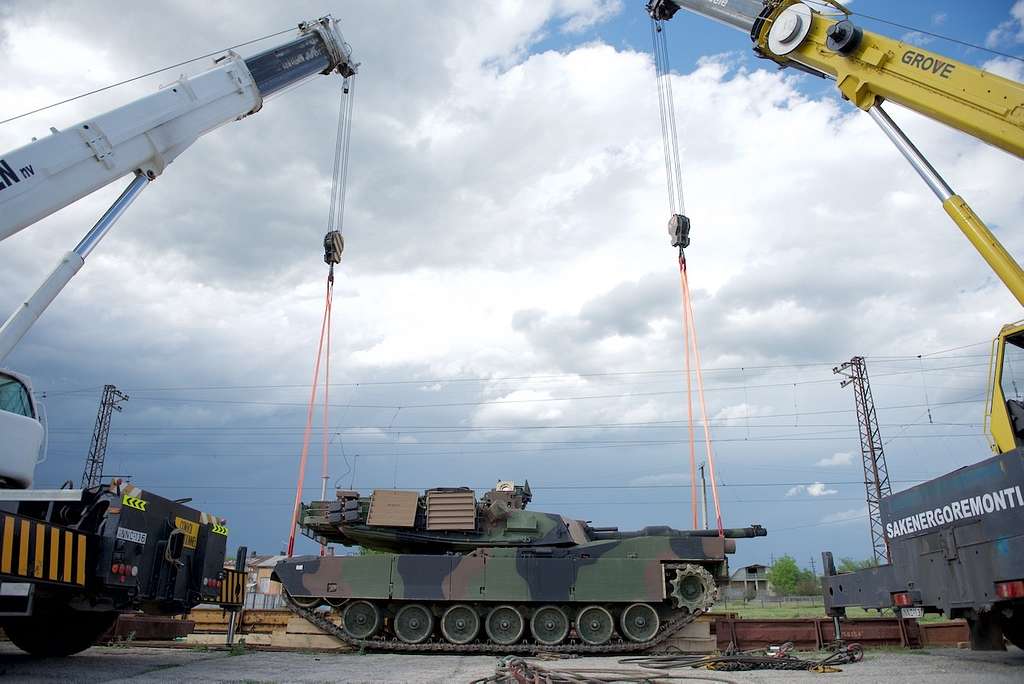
(142,138)
(869,69)
(146,135)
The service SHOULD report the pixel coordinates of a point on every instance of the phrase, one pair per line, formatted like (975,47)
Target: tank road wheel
(693,588)
(413,623)
(505,625)
(549,625)
(595,625)
(460,624)
(639,622)
(361,620)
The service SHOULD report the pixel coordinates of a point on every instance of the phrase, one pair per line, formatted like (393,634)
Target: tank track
(614,646)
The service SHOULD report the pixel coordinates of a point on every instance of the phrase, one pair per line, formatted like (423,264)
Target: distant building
(258,570)
(750,581)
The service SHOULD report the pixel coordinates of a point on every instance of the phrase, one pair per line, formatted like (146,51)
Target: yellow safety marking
(5,557)
(69,540)
(134,502)
(54,552)
(81,560)
(233,588)
(191,530)
(220,529)
(38,550)
(23,549)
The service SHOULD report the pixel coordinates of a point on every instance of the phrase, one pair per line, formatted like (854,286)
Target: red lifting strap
(325,334)
(690,335)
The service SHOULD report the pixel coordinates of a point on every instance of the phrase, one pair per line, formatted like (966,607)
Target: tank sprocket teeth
(693,588)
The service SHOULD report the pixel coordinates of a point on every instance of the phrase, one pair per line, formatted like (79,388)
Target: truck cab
(22,430)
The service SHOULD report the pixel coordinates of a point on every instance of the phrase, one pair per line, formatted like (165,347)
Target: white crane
(140,139)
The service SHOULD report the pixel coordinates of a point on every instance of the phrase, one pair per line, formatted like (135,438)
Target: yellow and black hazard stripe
(132,498)
(134,502)
(232,589)
(40,551)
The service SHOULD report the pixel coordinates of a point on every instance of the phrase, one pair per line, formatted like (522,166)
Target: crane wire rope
(141,76)
(333,246)
(825,5)
(679,227)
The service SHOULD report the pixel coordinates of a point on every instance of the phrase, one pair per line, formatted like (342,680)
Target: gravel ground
(183,665)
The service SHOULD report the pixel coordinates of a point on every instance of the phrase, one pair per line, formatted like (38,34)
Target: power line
(559,504)
(543,376)
(721,426)
(542,448)
(823,523)
(488,402)
(569,487)
(141,76)
(413,429)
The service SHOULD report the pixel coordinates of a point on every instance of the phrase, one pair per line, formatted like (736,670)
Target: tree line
(786,578)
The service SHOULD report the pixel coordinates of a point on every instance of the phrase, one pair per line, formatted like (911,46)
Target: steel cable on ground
(732,660)
(518,670)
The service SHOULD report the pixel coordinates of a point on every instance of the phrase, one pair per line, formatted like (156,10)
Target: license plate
(132,535)
(914,612)
(191,530)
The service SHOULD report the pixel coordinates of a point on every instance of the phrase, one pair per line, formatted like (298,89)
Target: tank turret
(451,519)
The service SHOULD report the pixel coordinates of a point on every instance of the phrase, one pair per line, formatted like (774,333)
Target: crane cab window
(1012,380)
(14,397)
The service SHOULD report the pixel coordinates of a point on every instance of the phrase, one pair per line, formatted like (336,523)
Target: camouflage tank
(441,571)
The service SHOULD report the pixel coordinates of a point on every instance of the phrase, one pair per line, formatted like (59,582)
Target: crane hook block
(679,229)
(334,245)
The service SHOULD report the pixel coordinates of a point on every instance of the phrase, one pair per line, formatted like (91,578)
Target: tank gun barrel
(603,533)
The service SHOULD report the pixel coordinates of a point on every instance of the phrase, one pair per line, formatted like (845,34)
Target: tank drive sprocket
(693,588)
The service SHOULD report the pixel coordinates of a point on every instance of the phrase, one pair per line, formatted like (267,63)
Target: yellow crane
(870,69)
(955,542)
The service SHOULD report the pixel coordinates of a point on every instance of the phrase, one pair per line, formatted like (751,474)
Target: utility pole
(704,494)
(110,402)
(814,568)
(876,474)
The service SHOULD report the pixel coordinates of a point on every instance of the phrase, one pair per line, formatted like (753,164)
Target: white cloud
(917,38)
(1010,31)
(847,516)
(661,479)
(815,489)
(1012,69)
(738,413)
(587,13)
(844,458)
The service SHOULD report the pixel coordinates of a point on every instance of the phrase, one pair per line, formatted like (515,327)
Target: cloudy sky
(508,304)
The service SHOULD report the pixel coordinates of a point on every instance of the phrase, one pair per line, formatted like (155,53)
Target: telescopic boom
(142,138)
